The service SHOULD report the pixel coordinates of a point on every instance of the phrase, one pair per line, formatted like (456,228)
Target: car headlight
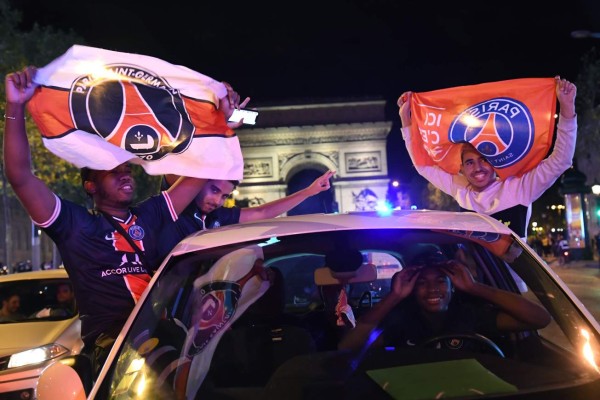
(37,355)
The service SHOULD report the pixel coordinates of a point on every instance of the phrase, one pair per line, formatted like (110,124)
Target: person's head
(433,288)
(114,187)
(213,194)
(476,168)
(11,303)
(64,294)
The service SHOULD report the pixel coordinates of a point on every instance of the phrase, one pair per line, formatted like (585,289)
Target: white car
(207,327)
(38,335)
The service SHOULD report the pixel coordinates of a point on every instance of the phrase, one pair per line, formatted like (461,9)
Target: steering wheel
(366,296)
(474,337)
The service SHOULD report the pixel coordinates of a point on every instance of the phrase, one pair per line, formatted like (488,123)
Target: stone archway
(290,146)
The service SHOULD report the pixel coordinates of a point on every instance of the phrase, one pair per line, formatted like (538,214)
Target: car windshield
(36,299)
(207,330)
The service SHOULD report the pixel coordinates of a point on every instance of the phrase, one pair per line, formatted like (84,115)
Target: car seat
(259,341)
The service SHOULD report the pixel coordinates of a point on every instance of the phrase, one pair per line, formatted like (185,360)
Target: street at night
(583,278)
(369,232)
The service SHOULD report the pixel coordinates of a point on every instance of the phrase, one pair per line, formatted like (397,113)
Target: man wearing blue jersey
(207,211)
(108,274)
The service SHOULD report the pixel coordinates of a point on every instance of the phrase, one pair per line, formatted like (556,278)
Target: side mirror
(69,378)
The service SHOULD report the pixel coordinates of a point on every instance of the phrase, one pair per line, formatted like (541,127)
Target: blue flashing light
(384,209)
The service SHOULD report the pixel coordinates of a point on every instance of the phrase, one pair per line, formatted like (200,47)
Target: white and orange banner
(510,122)
(98,108)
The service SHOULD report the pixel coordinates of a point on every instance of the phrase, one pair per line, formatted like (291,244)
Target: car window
(40,298)
(199,319)
(298,274)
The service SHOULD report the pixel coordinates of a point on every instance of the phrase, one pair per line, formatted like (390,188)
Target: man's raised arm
(36,197)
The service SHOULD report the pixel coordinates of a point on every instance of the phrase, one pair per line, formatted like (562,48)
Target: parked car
(204,328)
(40,332)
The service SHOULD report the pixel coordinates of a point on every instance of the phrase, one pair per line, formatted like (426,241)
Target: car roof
(59,273)
(311,223)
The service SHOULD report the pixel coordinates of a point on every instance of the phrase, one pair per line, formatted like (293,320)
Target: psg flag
(98,108)
(511,123)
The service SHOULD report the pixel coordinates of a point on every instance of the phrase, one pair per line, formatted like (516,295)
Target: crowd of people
(111,251)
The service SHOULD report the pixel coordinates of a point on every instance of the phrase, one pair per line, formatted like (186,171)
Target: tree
(38,47)
(18,49)
(588,117)
(438,200)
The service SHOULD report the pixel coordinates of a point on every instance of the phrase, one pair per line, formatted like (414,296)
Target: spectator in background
(563,250)
(11,302)
(64,306)
(546,245)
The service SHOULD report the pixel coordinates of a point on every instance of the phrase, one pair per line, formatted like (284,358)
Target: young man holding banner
(109,253)
(476,185)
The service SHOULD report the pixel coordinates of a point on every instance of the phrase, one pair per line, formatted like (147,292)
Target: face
(13,304)
(478,171)
(115,187)
(433,290)
(64,294)
(213,194)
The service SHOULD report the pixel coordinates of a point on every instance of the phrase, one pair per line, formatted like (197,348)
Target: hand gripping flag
(510,122)
(98,108)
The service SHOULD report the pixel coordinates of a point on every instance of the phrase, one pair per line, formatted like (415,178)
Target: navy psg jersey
(107,274)
(192,220)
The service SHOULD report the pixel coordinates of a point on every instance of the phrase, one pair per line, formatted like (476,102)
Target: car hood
(26,335)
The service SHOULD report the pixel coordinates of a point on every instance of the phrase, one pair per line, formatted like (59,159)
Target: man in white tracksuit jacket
(477,187)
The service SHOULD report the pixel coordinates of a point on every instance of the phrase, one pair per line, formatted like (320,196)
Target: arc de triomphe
(292,145)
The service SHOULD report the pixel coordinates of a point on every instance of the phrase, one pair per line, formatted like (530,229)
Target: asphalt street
(583,278)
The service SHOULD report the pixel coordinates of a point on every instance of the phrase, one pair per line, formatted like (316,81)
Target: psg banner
(98,108)
(511,123)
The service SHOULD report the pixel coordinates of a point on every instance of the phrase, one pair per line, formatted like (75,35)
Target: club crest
(132,108)
(216,304)
(136,232)
(501,129)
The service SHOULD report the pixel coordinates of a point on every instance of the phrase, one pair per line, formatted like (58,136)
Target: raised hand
(20,86)
(565,94)
(321,183)
(404,112)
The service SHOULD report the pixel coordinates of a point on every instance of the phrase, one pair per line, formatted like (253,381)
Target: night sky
(335,49)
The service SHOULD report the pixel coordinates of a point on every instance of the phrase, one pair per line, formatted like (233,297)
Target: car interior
(37,295)
(286,341)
